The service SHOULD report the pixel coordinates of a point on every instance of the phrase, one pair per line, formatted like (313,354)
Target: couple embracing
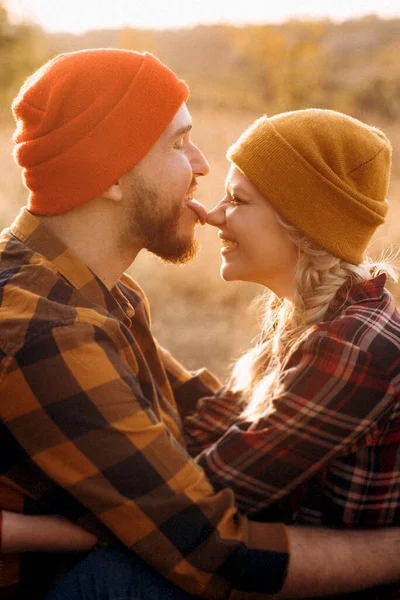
(175,485)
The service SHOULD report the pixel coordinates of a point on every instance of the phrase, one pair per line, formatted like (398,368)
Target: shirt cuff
(267,561)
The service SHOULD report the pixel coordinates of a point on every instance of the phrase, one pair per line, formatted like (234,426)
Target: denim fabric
(114,573)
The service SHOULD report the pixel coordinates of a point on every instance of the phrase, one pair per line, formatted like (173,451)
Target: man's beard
(154,223)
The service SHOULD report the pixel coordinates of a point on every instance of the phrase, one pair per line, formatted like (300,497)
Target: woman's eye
(235,201)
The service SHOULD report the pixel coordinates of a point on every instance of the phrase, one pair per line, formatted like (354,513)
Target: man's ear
(113,193)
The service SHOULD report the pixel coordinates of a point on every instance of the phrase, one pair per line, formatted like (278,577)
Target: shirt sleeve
(188,386)
(212,418)
(78,414)
(331,394)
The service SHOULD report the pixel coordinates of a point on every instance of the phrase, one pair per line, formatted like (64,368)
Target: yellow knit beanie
(323,171)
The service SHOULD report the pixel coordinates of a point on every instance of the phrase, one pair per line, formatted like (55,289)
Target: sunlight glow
(77,16)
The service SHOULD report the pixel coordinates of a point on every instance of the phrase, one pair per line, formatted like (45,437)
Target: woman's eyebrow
(234,188)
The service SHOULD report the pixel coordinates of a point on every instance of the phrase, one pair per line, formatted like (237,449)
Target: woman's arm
(332,393)
(27,533)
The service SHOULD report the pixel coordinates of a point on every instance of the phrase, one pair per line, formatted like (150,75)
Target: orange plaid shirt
(90,429)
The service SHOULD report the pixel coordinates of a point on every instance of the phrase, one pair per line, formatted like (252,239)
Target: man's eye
(179,143)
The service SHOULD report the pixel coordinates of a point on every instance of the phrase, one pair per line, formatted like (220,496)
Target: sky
(77,16)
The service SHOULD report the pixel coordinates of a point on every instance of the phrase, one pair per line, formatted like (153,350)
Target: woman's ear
(113,193)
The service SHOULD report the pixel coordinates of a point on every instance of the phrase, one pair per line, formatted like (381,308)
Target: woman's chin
(227,273)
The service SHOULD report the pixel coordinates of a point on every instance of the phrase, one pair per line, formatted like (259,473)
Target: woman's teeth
(228,244)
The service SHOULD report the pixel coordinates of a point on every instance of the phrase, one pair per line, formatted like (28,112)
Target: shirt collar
(35,235)
(371,290)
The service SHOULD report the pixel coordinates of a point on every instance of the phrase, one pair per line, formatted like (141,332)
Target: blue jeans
(114,573)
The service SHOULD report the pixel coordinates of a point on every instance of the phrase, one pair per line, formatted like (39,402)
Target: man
(88,400)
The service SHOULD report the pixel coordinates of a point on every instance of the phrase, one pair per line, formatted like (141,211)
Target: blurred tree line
(351,66)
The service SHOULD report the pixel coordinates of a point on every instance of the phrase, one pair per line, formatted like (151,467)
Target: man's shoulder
(34,297)
(25,312)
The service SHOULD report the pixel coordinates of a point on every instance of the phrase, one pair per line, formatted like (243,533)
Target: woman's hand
(28,533)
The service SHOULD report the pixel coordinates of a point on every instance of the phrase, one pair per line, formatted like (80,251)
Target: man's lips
(198,208)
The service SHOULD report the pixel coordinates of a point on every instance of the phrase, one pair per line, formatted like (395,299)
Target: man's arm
(327,562)
(322,562)
(48,533)
(189,387)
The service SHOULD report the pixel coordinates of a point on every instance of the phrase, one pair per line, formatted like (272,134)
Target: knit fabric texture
(323,171)
(85,118)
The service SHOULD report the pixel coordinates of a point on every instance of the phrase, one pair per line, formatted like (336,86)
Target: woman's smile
(227,245)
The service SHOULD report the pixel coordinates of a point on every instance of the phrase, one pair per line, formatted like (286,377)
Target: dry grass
(198,317)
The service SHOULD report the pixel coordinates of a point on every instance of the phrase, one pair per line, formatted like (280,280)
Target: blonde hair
(320,278)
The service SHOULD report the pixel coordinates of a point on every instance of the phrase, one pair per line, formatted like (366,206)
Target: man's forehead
(181,123)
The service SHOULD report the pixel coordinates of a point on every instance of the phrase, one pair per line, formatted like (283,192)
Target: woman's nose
(216,216)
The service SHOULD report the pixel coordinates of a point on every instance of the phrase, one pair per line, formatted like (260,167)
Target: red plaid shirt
(329,452)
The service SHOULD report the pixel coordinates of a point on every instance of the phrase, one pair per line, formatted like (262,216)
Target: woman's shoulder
(368,319)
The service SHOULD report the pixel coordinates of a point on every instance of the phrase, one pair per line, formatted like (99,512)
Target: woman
(307,429)
(311,414)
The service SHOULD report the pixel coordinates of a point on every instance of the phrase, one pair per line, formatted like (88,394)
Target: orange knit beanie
(325,172)
(85,118)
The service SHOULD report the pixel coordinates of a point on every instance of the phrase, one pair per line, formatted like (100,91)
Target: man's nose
(216,216)
(200,164)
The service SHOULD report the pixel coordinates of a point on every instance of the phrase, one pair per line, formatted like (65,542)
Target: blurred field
(202,320)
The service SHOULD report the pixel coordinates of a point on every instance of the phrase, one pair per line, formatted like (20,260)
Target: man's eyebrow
(182,130)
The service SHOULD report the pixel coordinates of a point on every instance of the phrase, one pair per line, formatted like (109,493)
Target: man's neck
(94,240)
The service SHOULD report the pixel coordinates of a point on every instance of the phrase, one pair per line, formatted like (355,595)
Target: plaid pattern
(329,451)
(90,429)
